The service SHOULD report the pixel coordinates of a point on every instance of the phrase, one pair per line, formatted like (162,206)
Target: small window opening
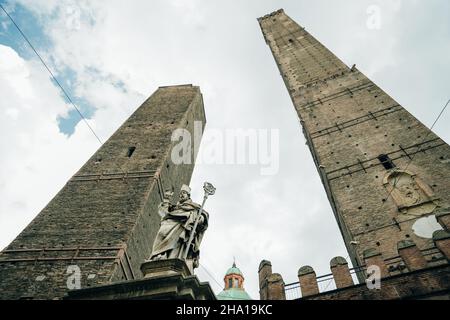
(130,151)
(386,161)
(291,41)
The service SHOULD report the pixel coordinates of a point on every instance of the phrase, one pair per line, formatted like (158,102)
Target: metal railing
(325,283)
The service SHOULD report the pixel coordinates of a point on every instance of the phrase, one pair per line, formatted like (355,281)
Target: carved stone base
(167,267)
(163,280)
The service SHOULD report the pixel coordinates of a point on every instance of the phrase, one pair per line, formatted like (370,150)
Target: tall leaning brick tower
(382,169)
(102,224)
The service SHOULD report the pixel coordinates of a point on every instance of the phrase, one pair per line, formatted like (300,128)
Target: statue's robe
(175,230)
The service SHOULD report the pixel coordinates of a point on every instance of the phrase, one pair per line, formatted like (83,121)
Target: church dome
(233,294)
(234,270)
(234,285)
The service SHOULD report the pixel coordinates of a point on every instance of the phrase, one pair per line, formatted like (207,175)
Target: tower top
(177,85)
(234,270)
(274,13)
(234,285)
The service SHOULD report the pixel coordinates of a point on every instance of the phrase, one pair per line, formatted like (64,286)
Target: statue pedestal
(168,267)
(163,280)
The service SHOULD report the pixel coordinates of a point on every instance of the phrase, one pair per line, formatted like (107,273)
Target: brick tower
(101,225)
(382,169)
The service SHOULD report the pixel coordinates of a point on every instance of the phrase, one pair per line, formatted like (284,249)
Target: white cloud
(284,218)
(31,142)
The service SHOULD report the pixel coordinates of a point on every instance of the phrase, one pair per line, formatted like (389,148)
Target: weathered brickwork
(341,273)
(105,218)
(431,283)
(350,124)
(307,281)
(271,285)
(415,279)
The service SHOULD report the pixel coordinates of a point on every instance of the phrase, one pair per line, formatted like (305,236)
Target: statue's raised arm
(165,206)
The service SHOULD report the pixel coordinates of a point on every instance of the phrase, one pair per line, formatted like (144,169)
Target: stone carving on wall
(410,193)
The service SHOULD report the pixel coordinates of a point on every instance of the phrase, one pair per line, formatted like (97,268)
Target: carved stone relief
(410,193)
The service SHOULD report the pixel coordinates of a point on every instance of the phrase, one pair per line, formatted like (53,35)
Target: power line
(411,158)
(51,74)
(56,81)
(211,276)
(440,114)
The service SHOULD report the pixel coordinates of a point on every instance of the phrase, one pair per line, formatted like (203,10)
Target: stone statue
(182,228)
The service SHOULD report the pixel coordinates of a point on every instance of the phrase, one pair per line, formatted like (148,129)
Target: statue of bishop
(182,228)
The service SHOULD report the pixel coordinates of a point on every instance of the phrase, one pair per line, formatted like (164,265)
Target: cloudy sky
(111,55)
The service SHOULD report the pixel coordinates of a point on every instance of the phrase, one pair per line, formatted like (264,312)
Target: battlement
(412,271)
(386,174)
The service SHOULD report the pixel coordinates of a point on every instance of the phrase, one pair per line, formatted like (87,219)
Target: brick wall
(431,283)
(348,122)
(105,218)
